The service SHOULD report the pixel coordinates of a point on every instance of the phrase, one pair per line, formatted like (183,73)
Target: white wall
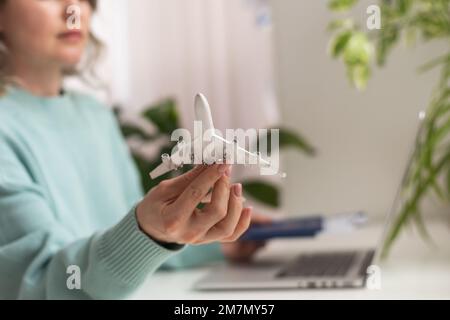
(178,48)
(362,138)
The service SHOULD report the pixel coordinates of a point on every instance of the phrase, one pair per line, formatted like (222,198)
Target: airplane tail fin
(203,112)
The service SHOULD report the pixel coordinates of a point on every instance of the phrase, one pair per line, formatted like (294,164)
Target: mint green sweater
(68,188)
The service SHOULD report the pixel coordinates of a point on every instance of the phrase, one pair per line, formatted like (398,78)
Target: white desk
(414,270)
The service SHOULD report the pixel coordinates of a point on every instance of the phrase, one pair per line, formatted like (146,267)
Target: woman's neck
(41,80)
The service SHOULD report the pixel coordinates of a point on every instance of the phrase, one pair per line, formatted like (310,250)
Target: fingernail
(223,168)
(238,190)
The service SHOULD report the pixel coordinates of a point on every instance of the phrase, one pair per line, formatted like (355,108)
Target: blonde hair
(93,52)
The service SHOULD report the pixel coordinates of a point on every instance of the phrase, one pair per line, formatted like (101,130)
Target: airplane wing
(163,168)
(174,161)
(242,153)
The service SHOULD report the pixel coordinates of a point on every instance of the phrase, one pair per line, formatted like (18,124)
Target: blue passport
(293,227)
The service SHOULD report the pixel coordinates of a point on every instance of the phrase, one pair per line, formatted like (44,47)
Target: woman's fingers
(202,220)
(217,208)
(183,207)
(207,198)
(225,227)
(181,221)
(242,225)
(258,218)
(173,187)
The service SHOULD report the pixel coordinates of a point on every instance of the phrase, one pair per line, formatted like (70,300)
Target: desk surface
(414,270)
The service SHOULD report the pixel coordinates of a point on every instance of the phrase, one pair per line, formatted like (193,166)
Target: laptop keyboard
(332,264)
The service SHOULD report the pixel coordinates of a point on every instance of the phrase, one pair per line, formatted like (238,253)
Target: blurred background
(264,64)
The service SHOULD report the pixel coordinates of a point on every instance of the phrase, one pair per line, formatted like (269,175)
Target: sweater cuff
(129,253)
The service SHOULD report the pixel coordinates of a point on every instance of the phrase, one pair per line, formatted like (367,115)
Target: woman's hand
(169,213)
(241,251)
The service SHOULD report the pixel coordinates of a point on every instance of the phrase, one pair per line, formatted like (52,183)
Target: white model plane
(185,152)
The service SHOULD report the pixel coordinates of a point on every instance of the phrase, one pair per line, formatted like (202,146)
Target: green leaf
(340,24)
(437,189)
(357,57)
(164,115)
(404,6)
(289,138)
(130,130)
(448,182)
(385,42)
(421,226)
(359,75)
(264,192)
(358,49)
(434,63)
(341,5)
(442,132)
(339,43)
(411,205)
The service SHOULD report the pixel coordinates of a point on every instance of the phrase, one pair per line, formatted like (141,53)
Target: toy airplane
(185,150)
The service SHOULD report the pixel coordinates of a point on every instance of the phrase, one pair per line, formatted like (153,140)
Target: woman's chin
(70,63)
(70,56)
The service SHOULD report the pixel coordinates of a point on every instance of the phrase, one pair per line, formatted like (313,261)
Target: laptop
(316,269)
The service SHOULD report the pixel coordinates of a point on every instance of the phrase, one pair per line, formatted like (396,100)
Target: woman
(67,179)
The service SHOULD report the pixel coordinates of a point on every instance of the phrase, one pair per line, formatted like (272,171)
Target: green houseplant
(163,117)
(413,21)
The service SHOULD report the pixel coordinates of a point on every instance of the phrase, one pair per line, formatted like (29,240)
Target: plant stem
(413,203)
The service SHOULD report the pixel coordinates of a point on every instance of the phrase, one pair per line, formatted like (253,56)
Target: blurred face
(42,32)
